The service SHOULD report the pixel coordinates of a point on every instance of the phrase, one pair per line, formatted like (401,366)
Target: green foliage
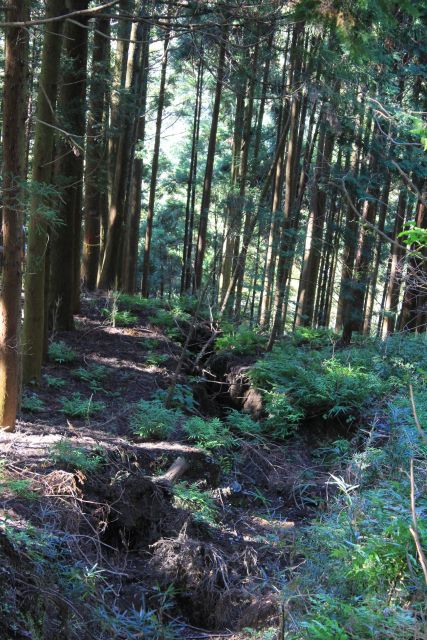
(67,453)
(168,318)
(31,402)
(78,407)
(136,303)
(156,359)
(361,577)
(120,318)
(242,340)
(201,503)
(209,434)
(182,397)
(242,424)
(152,419)
(94,374)
(18,486)
(414,235)
(300,382)
(54,382)
(61,353)
(150,343)
(314,338)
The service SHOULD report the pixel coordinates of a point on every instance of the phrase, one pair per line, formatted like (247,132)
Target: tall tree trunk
(191,187)
(111,264)
(243,172)
(353,320)
(291,184)
(145,286)
(15,96)
(65,245)
(41,199)
(96,177)
(396,254)
(274,231)
(232,222)
(129,284)
(311,266)
(370,301)
(207,182)
(134,79)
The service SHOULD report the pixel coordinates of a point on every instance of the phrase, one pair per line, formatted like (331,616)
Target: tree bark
(96,178)
(65,245)
(145,286)
(42,198)
(207,182)
(15,97)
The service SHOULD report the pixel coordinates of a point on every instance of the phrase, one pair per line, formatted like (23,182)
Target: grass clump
(76,457)
(78,407)
(243,425)
(54,382)
(61,353)
(120,318)
(151,419)
(209,434)
(182,397)
(32,403)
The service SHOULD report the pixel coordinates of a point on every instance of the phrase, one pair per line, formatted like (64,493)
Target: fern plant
(61,353)
(209,434)
(151,419)
(78,407)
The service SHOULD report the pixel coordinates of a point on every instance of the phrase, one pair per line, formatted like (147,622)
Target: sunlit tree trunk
(145,286)
(129,284)
(207,182)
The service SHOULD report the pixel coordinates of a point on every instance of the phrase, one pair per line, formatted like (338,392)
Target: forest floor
(105,533)
(208,559)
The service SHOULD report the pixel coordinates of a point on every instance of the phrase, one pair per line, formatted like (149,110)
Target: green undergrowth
(77,407)
(200,503)
(50,591)
(65,452)
(311,378)
(61,353)
(241,340)
(359,575)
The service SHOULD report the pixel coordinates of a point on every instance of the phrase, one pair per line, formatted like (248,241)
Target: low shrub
(200,503)
(32,403)
(76,457)
(78,407)
(61,353)
(242,340)
(209,434)
(151,419)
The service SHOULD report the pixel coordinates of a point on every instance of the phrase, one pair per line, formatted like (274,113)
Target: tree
(14,116)
(42,197)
